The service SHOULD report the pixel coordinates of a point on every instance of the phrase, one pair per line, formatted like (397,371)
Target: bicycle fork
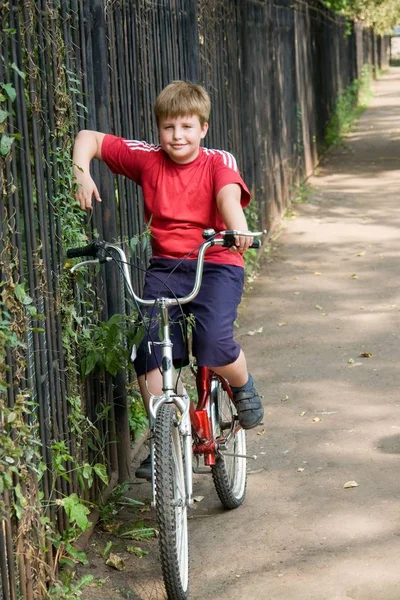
(182,402)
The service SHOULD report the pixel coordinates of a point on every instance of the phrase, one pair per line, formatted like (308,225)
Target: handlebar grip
(89,250)
(256,244)
(229,241)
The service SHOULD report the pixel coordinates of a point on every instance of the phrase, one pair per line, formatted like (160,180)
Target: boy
(186,188)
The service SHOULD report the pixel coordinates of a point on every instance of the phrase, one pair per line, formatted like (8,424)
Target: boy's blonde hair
(181,98)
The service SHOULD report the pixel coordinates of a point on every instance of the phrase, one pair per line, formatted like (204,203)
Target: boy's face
(180,137)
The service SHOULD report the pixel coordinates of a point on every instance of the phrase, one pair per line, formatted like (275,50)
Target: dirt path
(330,294)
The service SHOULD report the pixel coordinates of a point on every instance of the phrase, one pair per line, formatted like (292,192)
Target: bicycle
(180,431)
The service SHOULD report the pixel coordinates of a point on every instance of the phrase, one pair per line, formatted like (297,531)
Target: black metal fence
(274,70)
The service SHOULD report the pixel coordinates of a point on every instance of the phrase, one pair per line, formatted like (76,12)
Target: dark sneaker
(249,408)
(144,469)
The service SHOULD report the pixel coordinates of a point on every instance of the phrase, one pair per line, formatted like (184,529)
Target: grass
(350,104)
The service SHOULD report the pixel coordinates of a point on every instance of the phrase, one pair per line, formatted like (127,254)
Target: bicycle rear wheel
(171,507)
(229,472)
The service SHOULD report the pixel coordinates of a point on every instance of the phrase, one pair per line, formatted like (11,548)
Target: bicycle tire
(171,507)
(229,472)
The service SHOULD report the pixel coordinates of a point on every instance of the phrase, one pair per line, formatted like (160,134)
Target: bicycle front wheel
(230,470)
(171,507)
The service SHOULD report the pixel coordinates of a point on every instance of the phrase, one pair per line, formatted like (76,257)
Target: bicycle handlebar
(100,252)
(91,249)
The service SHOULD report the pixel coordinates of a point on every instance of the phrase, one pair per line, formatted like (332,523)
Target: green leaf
(125,501)
(134,242)
(85,580)
(139,334)
(87,471)
(3,115)
(19,292)
(101,472)
(67,561)
(9,90)
(107,549)
(11,417)
(139,534)
(115,320)
(90,362)
(78,555)
(5,144)
(137,551)
(45,520)
(79,514)
(20,73)
(85,108)
(76,511)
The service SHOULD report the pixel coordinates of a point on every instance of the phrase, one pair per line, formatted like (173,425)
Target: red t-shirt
(179,199)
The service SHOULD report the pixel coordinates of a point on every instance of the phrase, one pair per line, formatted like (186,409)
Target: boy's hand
(242,243)
(86,189)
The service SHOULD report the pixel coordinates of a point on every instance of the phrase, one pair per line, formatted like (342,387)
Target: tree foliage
(381,15)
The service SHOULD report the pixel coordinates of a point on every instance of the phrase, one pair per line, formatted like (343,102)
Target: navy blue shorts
(214,310)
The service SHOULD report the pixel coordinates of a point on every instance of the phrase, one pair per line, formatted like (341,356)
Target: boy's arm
(230,208)
(87,146)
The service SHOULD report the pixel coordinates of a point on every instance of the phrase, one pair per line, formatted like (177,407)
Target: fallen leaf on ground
(282,324)
(351,361)
(285,399)
(260,330)
(303,413)
(198,498)
(300,469)
(316,419)
(366,354)
(318,307)
(317,273)
(350,484)
(116,562)
(354,276)
(361,253)
(111,527)
(262,432)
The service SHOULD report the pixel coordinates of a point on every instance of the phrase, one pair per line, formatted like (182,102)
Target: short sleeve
(226,172)
(125,157)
